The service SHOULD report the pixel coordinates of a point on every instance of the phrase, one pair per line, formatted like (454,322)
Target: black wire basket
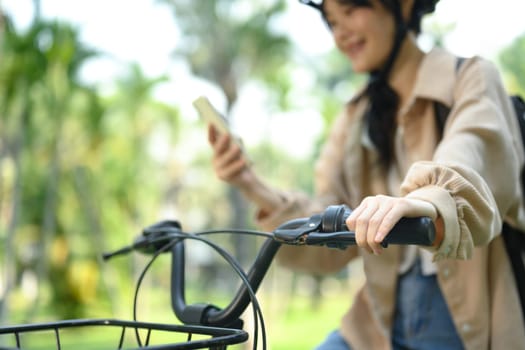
(116,334)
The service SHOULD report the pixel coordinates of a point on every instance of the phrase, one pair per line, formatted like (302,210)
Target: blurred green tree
(228,43)
(77,171)
(38,91)
(511,60)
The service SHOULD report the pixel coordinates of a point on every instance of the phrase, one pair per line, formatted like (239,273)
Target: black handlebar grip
(417,231)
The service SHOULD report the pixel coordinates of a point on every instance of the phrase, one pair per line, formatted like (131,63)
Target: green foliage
(77,177)
(437,31)
(514,66)
(278,172)
(242,46)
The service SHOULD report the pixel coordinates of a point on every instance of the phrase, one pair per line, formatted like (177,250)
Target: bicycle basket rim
(219,336)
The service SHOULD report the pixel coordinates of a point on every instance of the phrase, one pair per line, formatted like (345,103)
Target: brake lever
(153,239)
(340,240)
(298,235)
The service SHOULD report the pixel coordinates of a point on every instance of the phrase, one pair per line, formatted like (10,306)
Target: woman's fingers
(226,154)
(228,160)
(229,171)
(363,221)
(363,225)
(212,134)
(219,142)
(378,224)
(375,217)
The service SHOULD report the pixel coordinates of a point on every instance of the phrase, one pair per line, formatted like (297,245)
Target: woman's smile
(353,48)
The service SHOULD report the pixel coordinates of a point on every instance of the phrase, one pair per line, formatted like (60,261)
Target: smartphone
(210,115)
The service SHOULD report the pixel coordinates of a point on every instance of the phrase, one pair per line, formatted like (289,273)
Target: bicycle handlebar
(327,229)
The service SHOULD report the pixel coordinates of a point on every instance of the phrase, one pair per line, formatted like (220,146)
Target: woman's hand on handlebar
(229,162)
(373,219)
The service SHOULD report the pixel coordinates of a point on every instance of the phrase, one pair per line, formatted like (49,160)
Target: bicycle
(217,328)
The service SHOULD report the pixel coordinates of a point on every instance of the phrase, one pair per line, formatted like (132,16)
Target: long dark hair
(380,117)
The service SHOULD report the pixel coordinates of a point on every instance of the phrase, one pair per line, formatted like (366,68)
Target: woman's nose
(340,33)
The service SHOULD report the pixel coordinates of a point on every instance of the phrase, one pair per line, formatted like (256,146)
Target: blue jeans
(421,321)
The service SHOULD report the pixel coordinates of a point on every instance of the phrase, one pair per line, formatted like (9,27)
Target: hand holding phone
(210,115)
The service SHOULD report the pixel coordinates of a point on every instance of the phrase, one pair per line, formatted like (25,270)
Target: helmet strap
(399,35)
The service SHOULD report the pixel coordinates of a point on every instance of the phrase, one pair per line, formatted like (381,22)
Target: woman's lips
(353,49)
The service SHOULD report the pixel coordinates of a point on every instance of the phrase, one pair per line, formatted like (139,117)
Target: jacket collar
(436,77)
(438,65)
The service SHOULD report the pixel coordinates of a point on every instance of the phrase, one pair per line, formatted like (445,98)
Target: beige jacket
(471,176)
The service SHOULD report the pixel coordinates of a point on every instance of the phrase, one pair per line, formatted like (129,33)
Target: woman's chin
(359,68)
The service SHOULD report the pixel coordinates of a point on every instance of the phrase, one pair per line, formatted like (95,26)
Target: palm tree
(38,92)
(21,67)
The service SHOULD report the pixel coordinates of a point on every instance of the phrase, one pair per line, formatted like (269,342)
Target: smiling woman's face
(364,34)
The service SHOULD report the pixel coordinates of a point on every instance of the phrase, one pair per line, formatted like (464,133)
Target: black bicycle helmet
(421,8)
(315,4)
(427,5)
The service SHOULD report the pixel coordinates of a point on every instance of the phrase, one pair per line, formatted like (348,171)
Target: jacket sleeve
(473,177)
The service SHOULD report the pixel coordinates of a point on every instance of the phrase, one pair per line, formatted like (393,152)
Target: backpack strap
(519,108)
(515,246)
(515,239)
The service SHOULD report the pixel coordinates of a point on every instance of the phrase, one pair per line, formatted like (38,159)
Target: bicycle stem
(210,315)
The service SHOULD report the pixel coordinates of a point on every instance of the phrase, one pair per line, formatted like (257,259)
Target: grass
(298,314)
(299,325)
(292,322)
(301,320)
(303,326)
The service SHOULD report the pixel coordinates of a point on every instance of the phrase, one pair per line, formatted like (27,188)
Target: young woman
(387,159)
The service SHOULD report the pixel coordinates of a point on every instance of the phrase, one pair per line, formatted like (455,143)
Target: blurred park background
(98,139)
